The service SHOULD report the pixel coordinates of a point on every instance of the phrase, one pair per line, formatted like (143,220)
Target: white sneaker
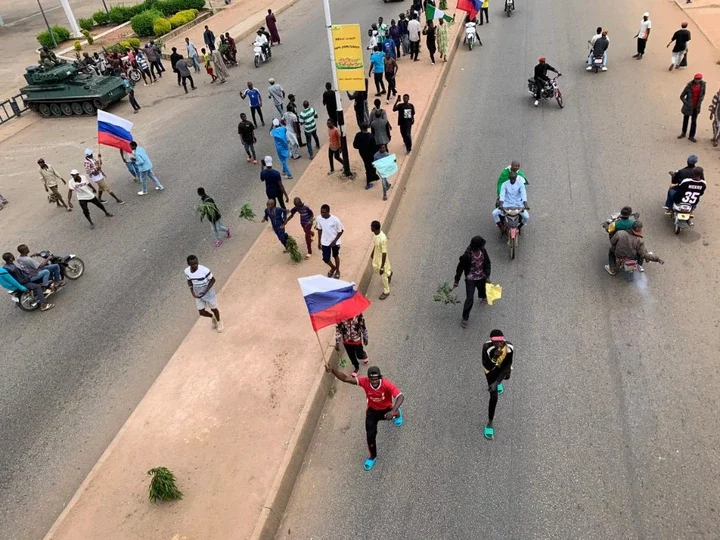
(220,327)
(158,188)
(214,321)
(589,68)
(537,102)
(604,68)
(142,192)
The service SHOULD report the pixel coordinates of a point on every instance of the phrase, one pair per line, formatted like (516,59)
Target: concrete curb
(276,503)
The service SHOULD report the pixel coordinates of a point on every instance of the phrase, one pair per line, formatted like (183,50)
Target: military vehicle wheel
(77,108)
(89,108)
(44,110)
(55,109)
(98,104)
(66,109)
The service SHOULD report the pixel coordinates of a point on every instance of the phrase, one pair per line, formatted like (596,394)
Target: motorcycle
(682,213)
(470,36)
(511,228)
(597,63)
(71,267)
(260,54)
(629,266)
(550,90)
(509,6)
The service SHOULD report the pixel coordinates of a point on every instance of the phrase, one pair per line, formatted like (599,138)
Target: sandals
(500,389)
(46,307)
(369,463)
(398,420)
(331,273)
(489,432)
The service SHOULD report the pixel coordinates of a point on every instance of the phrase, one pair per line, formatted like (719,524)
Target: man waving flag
(431,12)
(471,6)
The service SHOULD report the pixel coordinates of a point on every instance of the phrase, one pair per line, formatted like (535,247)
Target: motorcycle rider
(505,175)
(688,172)
(599,48)
(621,223)
(541,78)
(39,271)
(262,40)
(512,195)
(629,244)
(687,191)
(24,280)
(471,27)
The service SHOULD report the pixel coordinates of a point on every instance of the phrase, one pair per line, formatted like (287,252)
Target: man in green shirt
(307,119)
(505,175)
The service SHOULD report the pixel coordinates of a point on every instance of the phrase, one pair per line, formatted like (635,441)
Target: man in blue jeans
(23,280)
(43,271)
(145,168)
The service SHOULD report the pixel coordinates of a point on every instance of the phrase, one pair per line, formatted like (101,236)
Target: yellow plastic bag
(493,292)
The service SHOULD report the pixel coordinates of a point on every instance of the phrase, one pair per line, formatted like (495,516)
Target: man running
(383,403)
(497,358)
(201,281)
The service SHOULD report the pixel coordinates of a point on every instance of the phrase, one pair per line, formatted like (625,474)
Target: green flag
(431,12)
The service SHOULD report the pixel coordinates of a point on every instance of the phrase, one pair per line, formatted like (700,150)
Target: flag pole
(322,351)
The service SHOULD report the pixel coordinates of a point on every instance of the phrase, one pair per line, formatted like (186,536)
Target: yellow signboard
(349,66)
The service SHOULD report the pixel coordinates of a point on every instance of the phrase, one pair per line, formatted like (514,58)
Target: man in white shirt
(86,193)
(414,30)
(201,280)
(643,35)
(373,41)
(329,239)
(512,195)
(193,54)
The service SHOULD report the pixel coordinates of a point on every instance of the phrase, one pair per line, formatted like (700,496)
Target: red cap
(698,76)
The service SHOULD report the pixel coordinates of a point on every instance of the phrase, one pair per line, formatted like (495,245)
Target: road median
(232,414)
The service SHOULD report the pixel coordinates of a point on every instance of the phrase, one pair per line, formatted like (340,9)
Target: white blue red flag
(114,131)
(330,301)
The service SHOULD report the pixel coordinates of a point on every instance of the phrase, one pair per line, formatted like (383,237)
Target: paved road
(608,428)
(72,376)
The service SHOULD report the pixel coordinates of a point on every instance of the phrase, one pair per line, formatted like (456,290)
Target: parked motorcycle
(71,267)
(261,56)
(509,6)
(549,91)
(511,228)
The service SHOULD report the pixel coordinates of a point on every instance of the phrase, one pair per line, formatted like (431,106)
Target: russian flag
(471,6)
(330,301)
(114,131)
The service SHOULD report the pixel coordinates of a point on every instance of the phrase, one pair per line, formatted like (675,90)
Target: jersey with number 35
(689,191)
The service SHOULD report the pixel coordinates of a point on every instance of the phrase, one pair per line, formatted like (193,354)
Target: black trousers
(355,352)
(539,85)
(397,48)
(278,198)
(84,205)
(470,286)
(184,82)
(641,43)
(372,417)
(156,66)
(406,132)
(391,89)
(485,11)
(493,380)
(334,154)
(259,112)
(414,49)
(179,78)
(692,118)
(379,83)
(133,101)
(370,172)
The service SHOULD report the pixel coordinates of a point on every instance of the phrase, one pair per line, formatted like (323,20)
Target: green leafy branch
(292,246)
(163,486)
(246,212)
(445,295)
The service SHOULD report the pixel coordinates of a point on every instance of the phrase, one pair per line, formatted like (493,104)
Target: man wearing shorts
(329,239)
(93,168)
(201,281)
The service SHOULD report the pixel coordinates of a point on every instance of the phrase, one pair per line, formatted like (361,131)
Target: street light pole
(42,11)
(338,97)
(106,8)
(74,28)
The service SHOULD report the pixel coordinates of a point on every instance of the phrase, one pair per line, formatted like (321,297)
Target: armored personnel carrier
(62,90)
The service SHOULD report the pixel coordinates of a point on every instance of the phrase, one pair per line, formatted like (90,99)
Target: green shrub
(101,17)
(193,4)
(134,42)
(121,14)
(77,46)
(168,7)
(142,23)
(88,36)
(86,24)
(126,45)
(61,31)
(176,21)
(182,17)
(161,26)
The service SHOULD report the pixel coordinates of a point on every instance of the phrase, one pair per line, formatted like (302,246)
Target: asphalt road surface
(608,427)
(72,376)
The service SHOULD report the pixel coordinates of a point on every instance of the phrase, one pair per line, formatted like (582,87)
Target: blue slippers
(500,389)
(489,433)
(369,464)
(398,420)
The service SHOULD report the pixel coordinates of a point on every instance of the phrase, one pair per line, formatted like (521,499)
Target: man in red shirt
(383,403)
(692,97)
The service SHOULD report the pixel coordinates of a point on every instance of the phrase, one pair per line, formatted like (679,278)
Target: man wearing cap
(279,135)
(93,168)
(277,94)
(541,78)
(687,191)
(689,171)
(681,38)
(49,178)
(383,403)
(629,245)
(622,223)
(643,35)
(85,192)
(692,97)
(497,359)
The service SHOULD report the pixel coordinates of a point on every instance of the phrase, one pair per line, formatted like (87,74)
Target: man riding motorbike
(629,244)
(262,39)
(471,27)
(541,78)
(688,172)
(44,271)
(599,48)
(621,223)
(505,175)
(687,191)
(512,195)
(24,280)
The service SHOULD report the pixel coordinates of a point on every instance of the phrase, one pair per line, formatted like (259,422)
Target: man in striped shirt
(307,120)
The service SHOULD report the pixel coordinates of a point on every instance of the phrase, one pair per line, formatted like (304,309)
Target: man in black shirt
(174,57)
(361,107)
(246,130)
(497,359)
(689,171)
(364,143)
(406,119)
(681,38)
(688,191)
(541,78)
(330,102)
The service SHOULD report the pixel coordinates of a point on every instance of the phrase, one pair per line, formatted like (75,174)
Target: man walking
(192,54)
(93,168)
(406,119)
(279,135)
(715,118)
(377,69)
(643,35)
(274,188)
(364,143)
(277,94)
(208,209)
(145,168)
(383,403)
(330,102)
(353,333)
(307,120)
(391,69)
(246,130)
(200,280)
(414,30)
(380,259)
(86,195)
(307,217)
(331,229)
(475,264)
(277,217)
(292,124)
(209,38)
(253,95)
(50,178)
(681,38)
(183,70)
(293,108)
(692,97)
(497,359)
(174,57)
